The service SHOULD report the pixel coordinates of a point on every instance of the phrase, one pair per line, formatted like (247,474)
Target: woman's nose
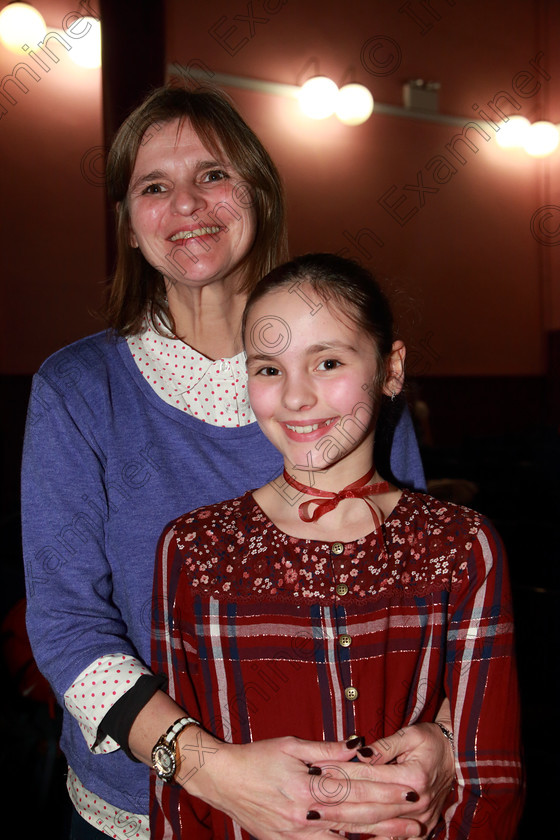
(187,199)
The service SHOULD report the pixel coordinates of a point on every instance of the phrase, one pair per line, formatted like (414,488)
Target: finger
(386,828)
(366,769)
(314,752)
(389,748)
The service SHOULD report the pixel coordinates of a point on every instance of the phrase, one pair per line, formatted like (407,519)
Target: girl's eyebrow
(310,351)
(260,357)
(330,345)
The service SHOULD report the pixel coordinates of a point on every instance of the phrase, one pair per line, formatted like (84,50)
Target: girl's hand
(286,787)
(419,757)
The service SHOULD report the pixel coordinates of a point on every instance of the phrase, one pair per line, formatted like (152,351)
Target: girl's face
(188,209)
(311,380)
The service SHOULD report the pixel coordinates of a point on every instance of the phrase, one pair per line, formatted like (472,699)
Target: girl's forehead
(298,300)
(299,310)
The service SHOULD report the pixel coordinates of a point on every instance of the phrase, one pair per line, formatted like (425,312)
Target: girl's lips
(308,431)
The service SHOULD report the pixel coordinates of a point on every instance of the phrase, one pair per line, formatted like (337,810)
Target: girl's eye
(268,371)
(328,364)
(153,189)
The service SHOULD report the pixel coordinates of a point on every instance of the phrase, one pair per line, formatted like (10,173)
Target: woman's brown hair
(137,288)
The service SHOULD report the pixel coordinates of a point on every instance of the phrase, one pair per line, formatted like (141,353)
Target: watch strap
(176,728)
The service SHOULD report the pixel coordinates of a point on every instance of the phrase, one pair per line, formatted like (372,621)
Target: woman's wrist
(199,757)
(447,732)
(153,720)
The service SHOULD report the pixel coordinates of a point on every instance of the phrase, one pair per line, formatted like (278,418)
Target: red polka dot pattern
(213,391)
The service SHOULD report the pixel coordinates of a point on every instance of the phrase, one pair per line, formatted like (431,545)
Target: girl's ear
(394,378)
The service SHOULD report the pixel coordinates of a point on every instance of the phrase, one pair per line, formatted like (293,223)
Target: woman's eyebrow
(155,175)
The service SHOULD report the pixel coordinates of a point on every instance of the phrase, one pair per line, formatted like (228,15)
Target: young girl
(330,605)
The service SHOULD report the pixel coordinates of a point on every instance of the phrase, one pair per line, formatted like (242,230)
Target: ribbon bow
(356,490)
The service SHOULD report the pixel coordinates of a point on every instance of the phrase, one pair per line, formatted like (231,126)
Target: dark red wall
(477,291)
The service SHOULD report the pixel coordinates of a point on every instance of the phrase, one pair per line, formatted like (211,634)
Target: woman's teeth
(188,234)
(304,430)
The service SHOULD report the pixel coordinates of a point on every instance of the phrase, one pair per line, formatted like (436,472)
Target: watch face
(164,761)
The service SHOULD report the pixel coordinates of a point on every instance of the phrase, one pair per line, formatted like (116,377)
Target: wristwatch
(164,753)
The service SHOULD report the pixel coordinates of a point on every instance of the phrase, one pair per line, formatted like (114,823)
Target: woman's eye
(328,364)
(215,175)
(153,189)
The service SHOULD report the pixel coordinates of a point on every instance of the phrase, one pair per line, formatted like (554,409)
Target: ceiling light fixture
(22,26)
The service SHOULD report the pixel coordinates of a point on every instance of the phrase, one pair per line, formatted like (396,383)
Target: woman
(128,429)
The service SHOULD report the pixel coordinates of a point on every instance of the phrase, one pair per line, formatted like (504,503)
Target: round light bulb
(354,104)
(542,139)
(87,51)
(21,24)
(317,97)
(512,134)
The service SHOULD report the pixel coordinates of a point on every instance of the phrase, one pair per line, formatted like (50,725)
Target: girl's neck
(350,520)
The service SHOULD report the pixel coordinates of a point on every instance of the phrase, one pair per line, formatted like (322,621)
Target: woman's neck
(208,319)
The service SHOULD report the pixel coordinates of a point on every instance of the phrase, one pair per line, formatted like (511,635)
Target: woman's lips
(184,235)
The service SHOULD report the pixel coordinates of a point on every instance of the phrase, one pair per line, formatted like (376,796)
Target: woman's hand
(287,787)
(421,759)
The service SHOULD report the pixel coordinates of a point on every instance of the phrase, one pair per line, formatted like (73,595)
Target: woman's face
(190,213)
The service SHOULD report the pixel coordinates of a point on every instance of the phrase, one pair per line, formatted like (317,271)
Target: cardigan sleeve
(397,454)
(72,619)
(481,682)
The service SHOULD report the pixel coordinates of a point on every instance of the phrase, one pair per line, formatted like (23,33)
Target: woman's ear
(394,378)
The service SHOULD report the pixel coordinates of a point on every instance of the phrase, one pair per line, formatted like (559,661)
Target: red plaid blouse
(262,635)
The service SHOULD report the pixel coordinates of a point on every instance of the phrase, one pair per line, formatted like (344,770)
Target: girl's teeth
(304,430)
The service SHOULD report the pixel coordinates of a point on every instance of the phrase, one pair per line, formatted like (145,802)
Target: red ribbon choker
(356,490)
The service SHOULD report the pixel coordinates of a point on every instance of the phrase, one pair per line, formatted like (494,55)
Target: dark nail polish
(354,741)
(313,815)
(412,796)
(314,771)
(366,752)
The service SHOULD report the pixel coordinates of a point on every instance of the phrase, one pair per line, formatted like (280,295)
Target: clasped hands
(287,787)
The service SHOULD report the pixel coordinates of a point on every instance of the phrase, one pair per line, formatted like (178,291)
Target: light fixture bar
(197,73)
(227,80)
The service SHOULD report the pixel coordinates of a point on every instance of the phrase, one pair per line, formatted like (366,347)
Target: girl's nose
(298,393)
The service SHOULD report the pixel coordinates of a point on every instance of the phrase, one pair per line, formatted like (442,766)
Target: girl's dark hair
(137,288)
(343,285)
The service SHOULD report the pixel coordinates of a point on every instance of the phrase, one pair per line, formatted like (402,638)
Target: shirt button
(351,693)
(345,640)
(337,548)
(342,589)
